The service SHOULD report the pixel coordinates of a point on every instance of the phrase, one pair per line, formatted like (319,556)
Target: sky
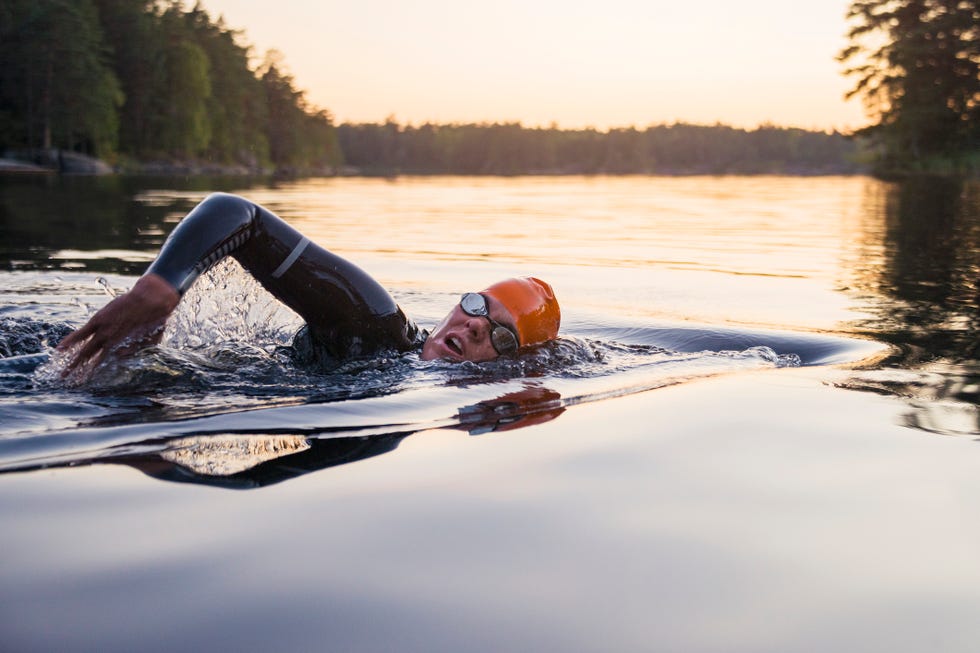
(614,63)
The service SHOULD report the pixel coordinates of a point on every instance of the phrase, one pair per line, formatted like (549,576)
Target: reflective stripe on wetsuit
(347,312)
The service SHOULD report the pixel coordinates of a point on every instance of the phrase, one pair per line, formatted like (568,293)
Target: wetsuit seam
(235,241)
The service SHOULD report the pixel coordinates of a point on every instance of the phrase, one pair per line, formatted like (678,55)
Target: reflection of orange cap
(514,410)
(534,307)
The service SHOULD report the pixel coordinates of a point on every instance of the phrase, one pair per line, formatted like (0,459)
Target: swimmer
(347,313)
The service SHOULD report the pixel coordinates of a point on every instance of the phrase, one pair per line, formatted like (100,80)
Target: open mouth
(454,345)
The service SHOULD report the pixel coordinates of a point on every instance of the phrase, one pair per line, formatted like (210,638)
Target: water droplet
(106,287)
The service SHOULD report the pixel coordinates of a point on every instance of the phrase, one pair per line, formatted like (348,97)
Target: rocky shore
(52,161)
(49,161)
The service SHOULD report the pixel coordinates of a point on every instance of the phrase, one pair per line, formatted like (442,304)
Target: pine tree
(55,83)
(917,64)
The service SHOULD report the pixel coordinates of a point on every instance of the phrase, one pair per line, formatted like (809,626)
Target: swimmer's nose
(476,327)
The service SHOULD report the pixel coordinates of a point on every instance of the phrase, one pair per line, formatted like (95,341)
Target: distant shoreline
(59,162)
(70,163)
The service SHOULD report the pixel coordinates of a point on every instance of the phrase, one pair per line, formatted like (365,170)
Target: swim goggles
(503,339)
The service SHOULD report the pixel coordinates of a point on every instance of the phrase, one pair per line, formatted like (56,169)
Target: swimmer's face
(462,337)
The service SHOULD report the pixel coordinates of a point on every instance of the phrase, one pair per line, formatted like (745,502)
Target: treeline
(142,82)
(510,149)
(147,80)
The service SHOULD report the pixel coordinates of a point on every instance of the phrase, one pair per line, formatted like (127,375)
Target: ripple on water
(222,370)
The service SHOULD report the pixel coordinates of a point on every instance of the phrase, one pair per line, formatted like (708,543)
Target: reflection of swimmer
(514,410)
(253,460)
(347,313)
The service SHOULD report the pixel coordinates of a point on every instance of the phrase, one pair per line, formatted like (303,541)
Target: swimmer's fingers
(92,346)
(75,337)
(125,324)
(103,336)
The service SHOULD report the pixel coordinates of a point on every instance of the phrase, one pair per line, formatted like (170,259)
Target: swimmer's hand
(126,324)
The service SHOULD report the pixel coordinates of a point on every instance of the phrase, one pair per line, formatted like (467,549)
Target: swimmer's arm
(326,290)
(129,322)
(214,229)
(321,287)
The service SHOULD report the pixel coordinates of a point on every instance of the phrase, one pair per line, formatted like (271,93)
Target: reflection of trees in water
(921,283)
(943,399)
(930,241)
(41,215)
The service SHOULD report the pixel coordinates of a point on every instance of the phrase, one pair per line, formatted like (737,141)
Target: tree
(55,82)
(917,64)
(299,136)
(132,29)
(155,78)
(236,106)
(506,149)
(186,68)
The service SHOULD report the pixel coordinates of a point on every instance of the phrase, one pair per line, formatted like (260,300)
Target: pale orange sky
(602,64)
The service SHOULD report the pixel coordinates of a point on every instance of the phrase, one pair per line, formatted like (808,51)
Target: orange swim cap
(534,307)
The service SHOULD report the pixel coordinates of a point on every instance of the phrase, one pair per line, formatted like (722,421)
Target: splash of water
(227,348)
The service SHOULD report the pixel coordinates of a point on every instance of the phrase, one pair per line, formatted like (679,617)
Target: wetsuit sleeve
(345,309)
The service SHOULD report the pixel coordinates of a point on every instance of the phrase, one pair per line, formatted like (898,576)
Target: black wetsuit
(348,314)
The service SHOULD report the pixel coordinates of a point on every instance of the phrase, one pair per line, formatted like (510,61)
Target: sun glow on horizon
(623,63)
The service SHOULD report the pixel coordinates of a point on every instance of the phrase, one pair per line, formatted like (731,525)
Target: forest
(137,82)
(142,80)
(510,149)
(917,69)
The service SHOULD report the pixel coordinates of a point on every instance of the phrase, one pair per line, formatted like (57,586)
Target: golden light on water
(751,250)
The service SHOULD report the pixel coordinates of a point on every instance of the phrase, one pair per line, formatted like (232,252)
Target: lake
(757,433)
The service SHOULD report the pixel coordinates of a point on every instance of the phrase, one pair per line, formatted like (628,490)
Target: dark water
(735,446)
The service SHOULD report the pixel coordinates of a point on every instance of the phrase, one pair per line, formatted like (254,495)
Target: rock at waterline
(52,160)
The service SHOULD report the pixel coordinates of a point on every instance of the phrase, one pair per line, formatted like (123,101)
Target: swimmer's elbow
(226,202)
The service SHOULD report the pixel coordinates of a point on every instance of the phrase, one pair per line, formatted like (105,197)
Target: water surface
(757,432)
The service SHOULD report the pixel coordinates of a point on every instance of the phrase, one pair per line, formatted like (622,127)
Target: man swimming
(348,314)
